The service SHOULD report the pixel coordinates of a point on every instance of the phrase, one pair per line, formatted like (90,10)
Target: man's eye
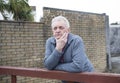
(55,28)
(61,27)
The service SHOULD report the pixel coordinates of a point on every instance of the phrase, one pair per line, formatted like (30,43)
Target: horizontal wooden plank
(87,77)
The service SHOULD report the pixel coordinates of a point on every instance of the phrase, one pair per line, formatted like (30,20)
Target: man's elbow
(49,67)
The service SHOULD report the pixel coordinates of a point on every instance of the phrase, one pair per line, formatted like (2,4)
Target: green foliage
(19,8)
(3,8)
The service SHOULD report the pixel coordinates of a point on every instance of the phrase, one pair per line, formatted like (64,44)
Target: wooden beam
(87,77)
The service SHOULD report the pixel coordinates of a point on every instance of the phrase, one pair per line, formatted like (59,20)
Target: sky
(110,7)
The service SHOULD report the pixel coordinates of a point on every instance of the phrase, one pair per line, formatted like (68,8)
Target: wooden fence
(85,77)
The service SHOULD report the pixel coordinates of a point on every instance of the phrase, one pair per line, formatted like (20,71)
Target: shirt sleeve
(51,57)
(79,58)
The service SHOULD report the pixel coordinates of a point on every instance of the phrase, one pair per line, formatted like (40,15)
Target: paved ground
(116,64)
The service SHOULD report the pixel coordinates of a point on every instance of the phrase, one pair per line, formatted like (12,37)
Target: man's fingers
(63,35)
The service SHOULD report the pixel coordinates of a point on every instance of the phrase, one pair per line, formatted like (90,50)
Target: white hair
(61,18)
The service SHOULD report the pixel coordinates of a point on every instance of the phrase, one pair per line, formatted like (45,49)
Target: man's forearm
(68,67)
(52,60)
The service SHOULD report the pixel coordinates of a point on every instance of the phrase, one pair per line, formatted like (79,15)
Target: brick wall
(22,43)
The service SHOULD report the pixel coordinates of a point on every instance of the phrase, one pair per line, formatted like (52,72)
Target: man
(65,51)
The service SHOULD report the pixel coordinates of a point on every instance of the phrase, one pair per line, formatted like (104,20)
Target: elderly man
(65,51)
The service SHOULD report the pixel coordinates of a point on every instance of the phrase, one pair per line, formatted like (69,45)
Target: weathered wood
(13,79)
(86,77)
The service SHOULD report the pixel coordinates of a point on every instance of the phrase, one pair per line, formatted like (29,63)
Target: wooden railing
(85,77)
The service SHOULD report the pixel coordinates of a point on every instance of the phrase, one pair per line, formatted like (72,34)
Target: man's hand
(60,43)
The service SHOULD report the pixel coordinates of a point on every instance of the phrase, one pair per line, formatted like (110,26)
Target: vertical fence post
(13,79)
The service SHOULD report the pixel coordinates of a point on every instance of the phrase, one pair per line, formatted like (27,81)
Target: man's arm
(51,57)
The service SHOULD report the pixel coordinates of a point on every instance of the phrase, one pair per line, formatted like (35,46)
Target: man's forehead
(58,23)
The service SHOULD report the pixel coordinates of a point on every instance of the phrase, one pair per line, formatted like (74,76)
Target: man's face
(59,29)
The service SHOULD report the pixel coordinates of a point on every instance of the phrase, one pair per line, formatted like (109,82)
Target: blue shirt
(73,55)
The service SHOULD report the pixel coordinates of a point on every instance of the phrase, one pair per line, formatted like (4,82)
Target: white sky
(110,7)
